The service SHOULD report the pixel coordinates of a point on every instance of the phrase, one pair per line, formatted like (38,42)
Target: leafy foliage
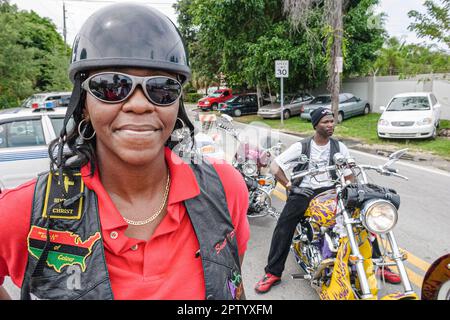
(242,39)
(397,58)
(33,56)
(435,24)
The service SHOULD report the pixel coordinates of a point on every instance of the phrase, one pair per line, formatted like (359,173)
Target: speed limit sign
(281,68)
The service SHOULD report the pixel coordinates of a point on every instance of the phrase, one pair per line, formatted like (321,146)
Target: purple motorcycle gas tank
(322,208)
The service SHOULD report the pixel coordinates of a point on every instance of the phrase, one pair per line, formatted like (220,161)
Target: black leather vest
(66,258)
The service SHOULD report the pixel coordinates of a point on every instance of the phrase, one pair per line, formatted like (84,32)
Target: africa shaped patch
(66,248)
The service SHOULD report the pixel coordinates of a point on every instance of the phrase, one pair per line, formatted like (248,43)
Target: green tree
(17,66)
(435,24)
(242,40)
(33,56)
(405,60)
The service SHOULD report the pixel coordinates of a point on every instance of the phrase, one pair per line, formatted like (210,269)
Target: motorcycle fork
(397,257)
(359,264)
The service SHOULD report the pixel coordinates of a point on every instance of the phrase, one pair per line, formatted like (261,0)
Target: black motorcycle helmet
(129,35)
(119,35)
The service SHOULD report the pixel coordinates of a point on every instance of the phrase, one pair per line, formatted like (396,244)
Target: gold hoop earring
(84,130)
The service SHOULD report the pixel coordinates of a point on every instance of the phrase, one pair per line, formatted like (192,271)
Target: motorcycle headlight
(379,216)
(249,168)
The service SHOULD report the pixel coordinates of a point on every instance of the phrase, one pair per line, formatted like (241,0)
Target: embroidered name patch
(66,248)
(53,207)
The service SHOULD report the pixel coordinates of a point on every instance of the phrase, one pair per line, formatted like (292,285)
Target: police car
(24,138)
(38,100)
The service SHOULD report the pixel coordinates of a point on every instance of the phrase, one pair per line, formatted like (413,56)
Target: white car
(411,115)
(24,138)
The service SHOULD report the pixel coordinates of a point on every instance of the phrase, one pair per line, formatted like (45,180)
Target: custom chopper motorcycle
(253,162)
(333,244)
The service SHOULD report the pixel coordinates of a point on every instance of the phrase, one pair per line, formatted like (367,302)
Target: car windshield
(216,94)
(409,104)
(287,99)
(234,99)
(36,98)
(321,100)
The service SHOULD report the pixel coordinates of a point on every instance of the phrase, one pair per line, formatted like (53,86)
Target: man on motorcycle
(320,150)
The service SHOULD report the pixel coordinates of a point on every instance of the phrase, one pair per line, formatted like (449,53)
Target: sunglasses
(115,87)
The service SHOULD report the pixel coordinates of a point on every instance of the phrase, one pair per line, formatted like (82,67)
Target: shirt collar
(183,186)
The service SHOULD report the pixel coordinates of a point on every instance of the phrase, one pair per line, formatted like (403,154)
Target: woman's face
(133,131)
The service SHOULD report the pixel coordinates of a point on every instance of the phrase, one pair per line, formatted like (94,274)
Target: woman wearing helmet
(120,215)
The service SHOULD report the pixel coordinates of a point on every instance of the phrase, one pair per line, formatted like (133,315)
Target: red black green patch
(66,248)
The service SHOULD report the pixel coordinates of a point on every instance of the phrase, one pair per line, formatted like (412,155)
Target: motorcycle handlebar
(385,171)
(313,171)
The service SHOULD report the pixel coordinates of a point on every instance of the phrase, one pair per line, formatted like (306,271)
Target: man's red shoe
(388,275)
(266,283)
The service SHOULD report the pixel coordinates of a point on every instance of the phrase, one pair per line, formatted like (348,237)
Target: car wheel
(367,109)
(237,113)
(286,114)
(434,135)
(340,117)
(214,106)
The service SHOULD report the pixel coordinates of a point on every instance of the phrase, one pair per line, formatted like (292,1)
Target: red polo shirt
(165,266)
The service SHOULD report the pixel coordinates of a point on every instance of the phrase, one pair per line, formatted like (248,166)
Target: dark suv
(246,103)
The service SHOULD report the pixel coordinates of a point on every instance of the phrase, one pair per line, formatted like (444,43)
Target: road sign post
(282,71)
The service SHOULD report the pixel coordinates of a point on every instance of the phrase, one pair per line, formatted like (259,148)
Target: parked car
(40,100)
(292,105)
(24,138)
(212,101)
(246,103)
(411,116)
(349,106)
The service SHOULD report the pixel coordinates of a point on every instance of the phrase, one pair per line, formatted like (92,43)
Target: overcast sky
(77,11)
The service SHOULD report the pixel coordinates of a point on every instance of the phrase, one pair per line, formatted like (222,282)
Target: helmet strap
(74,101)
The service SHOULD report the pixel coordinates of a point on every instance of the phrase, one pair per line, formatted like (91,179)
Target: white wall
(379,90)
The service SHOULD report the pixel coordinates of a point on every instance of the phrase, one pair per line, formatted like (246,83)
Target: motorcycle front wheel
(260,203)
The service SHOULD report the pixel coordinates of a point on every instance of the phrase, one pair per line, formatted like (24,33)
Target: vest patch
(66,248)
(235,285)
(53,196)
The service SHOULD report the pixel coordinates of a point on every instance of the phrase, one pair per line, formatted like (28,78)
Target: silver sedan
(349,106)
(292,106)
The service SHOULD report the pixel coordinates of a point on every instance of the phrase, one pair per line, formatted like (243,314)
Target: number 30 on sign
(281,68)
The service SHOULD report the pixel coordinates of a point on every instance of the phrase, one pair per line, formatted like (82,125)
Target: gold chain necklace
(157,213)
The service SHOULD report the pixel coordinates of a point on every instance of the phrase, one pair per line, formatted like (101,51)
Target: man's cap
(318,114)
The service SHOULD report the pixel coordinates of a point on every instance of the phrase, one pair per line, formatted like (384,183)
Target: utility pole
(299,11)
(336,63)
(64,23)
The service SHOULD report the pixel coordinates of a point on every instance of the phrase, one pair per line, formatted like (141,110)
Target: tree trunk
(259,95)
(336,51)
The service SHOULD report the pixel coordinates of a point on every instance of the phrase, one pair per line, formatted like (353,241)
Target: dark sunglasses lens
(163,90)
(110,86)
